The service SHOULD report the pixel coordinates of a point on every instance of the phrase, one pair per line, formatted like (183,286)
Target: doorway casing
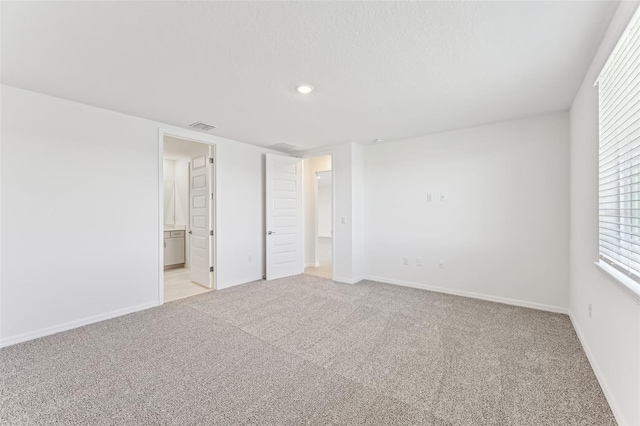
(331,154)
(192,137)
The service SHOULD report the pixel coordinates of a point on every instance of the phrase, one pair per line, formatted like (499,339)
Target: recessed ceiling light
(305,89)
(377,141)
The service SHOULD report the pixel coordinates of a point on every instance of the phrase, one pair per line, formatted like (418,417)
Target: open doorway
(318,214)
(188,217)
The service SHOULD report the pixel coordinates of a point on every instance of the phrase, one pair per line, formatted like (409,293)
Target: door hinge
(211,160)
(211,196)
(210,268)
(211,233)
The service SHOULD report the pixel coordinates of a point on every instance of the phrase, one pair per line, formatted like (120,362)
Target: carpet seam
(338,375)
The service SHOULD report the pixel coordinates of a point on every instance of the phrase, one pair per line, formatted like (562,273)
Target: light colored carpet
(306,350)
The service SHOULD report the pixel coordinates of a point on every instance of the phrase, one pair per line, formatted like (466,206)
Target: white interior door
(284,216)
(200,241)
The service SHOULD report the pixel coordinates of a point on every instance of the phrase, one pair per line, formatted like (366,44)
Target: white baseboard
(222,286)
(615,408)
(312,265)
(499,299)
(8,341)
(348,280)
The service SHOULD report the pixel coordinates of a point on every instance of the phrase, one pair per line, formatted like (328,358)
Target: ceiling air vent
(201,126)
(284,147)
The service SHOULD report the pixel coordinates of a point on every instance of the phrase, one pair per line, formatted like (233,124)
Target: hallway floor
(325,269)
(178,285)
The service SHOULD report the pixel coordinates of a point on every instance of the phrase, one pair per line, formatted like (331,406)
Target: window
(619,154)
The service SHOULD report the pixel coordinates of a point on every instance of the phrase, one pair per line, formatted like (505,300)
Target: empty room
(325,213)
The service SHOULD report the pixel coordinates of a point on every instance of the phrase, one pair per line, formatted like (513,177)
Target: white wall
(181,178)
(240,213)
(611,338)
(311,167)
(502,231)
(169,198)
(168,170)
(80,213)
(343,210)
(324,204)
(358,212)
(177,172)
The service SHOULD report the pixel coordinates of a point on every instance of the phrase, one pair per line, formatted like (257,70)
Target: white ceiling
(380,69)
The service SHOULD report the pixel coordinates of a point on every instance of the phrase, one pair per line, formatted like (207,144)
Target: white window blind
(619,154)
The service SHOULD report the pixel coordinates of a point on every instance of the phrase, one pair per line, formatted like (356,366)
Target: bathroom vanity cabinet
(174,249)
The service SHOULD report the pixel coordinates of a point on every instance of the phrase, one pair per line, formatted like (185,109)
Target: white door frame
(193,137)
(330,153)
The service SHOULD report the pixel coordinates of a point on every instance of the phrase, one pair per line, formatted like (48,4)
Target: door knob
(270,232)
(191,232)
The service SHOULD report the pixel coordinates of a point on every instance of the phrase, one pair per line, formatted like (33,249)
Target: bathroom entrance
(318,216)
(188,217)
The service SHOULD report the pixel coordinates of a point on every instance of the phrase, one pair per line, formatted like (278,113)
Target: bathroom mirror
(169,202)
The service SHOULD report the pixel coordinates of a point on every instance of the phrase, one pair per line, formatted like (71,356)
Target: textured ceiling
(380,69)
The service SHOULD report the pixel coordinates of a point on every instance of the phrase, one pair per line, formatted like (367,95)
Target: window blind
(619,154)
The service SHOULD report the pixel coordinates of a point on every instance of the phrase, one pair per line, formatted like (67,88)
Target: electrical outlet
(429,198)
(418,261)
(405,261)
(589,310)
(443,197)
(441,264)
